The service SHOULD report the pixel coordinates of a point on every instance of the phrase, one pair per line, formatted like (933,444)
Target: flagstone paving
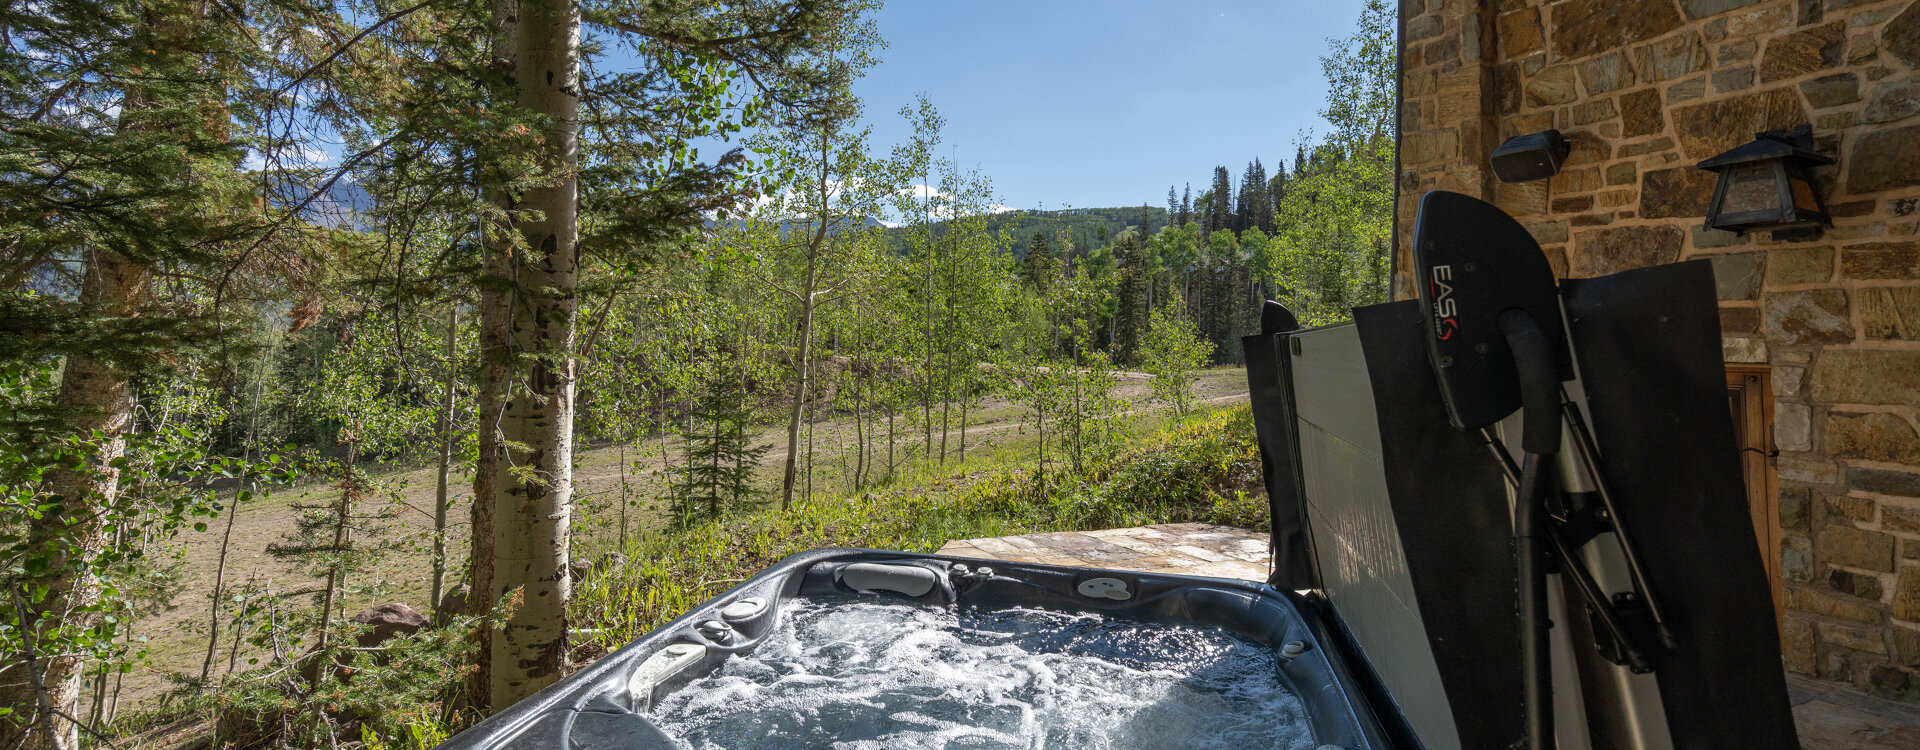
(1829,716)
(1194,549)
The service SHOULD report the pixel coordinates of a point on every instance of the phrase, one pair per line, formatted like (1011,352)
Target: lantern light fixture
(1767,185)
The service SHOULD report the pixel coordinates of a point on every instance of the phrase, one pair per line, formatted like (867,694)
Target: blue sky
(1087,104)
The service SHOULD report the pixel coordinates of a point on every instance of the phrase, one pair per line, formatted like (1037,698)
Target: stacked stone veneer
(1644,89)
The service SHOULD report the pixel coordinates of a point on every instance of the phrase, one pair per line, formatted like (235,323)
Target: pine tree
(721,458)
(1220,215)
(1257,205)
(1130,303)
(1186,206)
(1039,267)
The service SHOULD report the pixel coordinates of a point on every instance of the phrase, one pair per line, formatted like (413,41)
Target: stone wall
(1644,89)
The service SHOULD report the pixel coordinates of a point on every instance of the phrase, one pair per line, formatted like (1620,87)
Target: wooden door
(1750,396)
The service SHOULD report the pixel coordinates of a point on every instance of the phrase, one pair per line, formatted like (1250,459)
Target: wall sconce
(1767,185)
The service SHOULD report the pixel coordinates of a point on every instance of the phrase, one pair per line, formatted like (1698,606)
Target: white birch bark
(533,491)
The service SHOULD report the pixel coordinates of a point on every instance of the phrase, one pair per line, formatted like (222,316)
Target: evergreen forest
(547,320)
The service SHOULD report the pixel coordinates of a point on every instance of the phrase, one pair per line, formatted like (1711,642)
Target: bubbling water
(862,674)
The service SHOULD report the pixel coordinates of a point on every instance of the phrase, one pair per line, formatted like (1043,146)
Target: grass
(1204,468)
(1201,468)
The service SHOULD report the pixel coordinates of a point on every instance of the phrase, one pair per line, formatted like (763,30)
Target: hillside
(1089,227)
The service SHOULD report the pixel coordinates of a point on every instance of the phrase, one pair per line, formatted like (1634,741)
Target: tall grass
(1203,468)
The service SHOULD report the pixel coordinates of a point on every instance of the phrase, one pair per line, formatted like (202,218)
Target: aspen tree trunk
(800,393)
(495,295)
(446,463)
(802,384)
(533,491)
(102,401)
(226,537)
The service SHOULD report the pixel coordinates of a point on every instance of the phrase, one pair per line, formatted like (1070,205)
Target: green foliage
(1336,223)
(1171,351)
(1203,469)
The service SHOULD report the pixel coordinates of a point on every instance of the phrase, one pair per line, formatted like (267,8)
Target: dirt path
(177,637)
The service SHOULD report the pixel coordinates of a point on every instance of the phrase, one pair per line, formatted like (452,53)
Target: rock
(1428,146)
(453,603)
(1890,313)
(1697,9)
(1744,350)
(1733,79)
(1808,470)
(1707,239)
(1606,73)
(1858,639)
(1548,232)
(1587,113)
(1677,192)
(1736,51)
(1894,100)
(1707,130)
(1520,33)
(1686,91)
(1605,251)
(1799,265)
(1884,481)
(1829,605)
(1582,28)
(1874,436)
(1856,548)
(1573,205)
(577,570)
(1851,208)
(1890,682)
(1623,173)
(612,561)
(1787,380)
(1905,520)
(1796,645)
(1820,316)
(1793,428)
(386,621)
(1739,320)
(1884,160)
(1577,180)
(1804,52)
(1736,276)
(1867,377)
(1854,584)
(1906,594)
(1881,260)
(1554,85)
(1794,502)
(1838,667)
(1796,562)
(1906,644)
(1641,114)
(1857,508)
(1832,91)
(1901,36)
(1424,27)
(1671,58)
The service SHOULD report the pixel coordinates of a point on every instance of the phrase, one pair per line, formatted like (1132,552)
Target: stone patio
(1829,718)
(1194,549)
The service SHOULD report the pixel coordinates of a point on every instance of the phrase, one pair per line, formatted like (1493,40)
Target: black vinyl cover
(1270,392)
(1648,345)
(1450,506)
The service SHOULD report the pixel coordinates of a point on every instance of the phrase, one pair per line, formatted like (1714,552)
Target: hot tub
(861,648)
